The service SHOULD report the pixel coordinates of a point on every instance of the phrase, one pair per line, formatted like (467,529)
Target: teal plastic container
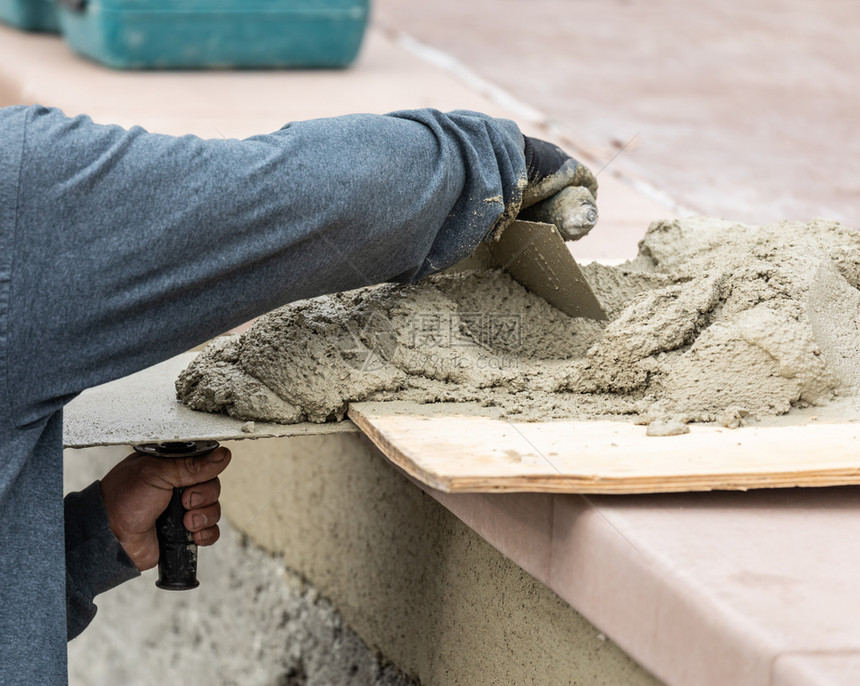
(211,34)
(30,15)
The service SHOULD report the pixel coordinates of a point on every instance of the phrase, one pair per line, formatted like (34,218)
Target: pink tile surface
(647,602)
(783,561)
(749,589)
(745,110)
(817,669)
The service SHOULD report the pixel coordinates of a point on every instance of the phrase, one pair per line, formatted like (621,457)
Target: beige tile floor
(746,110)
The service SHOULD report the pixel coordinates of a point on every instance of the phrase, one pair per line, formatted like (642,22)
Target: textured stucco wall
(408,576)
(252,622)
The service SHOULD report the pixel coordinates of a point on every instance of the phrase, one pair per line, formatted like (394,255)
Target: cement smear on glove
(712,320)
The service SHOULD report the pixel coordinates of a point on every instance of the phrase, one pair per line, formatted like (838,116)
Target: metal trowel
(535,254)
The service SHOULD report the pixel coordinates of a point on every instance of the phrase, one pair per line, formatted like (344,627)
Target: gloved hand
(560,190)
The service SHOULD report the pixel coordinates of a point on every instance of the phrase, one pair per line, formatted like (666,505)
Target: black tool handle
(177,551)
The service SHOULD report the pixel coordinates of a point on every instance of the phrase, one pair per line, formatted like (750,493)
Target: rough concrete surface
(712,320)
(409,577)
(252,622)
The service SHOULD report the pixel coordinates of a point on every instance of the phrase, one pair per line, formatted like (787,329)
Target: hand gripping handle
(177,552)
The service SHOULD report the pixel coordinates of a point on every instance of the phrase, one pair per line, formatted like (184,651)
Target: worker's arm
(131,247)
(95,560)
(110,525)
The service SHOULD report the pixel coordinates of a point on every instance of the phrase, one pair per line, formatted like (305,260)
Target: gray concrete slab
(142,408)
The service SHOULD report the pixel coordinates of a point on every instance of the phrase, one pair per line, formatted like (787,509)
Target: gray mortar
(251,622)
(713,321)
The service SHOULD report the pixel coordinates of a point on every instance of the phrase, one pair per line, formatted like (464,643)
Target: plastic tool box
(192,34)
(32,15)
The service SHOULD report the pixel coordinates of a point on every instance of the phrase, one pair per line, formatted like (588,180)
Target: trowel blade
(536,256)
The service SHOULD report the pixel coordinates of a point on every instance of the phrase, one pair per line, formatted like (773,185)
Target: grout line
(453,66)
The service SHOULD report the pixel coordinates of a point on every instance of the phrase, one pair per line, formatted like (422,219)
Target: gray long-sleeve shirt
(95,559)
(119,249)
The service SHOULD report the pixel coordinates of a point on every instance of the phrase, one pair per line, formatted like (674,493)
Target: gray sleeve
(132,247)
(95,560)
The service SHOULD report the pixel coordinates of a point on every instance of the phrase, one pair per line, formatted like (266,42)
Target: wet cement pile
(713,321)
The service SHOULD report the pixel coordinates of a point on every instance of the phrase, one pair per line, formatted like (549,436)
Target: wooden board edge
(627,486)
(395,455)
(577,484)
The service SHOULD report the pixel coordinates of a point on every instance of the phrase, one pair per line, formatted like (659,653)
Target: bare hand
(137,490)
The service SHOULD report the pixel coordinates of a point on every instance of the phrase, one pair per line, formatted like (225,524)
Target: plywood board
(473,453)
(142,408)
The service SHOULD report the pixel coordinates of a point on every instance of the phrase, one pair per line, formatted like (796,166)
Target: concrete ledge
(718,588)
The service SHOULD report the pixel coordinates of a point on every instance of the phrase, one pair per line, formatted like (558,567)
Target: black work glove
(560,190)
